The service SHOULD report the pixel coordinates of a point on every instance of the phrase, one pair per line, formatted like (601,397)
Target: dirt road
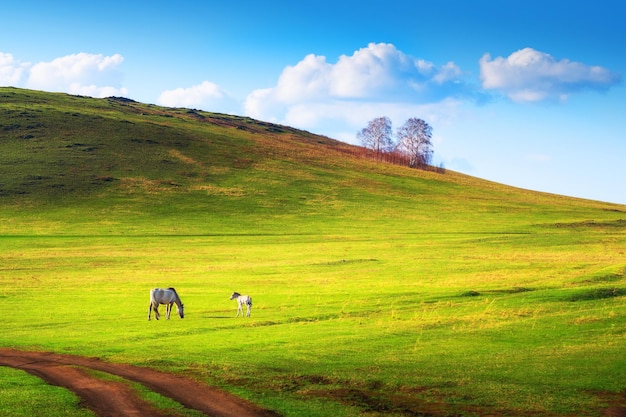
(111,398)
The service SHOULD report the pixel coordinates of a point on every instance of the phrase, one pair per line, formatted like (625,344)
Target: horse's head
(181,311)
(235,295)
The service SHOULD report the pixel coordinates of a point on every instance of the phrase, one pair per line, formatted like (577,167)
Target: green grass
(378,290)
(25,395)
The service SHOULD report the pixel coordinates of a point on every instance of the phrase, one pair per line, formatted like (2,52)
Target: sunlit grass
(22,394)
(378,290)
(496,325)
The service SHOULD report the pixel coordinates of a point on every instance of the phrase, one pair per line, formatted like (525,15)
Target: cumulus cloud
(207,96)
(373,81)
(529,76)
(379,71)
(92,75)
(11,70)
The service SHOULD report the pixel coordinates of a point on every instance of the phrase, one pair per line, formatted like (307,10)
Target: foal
(241,301)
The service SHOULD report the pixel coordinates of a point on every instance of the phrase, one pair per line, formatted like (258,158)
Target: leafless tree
(377,136)
(414,139)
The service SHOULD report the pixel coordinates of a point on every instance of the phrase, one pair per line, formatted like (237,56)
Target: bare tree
(377,136)
(414,139)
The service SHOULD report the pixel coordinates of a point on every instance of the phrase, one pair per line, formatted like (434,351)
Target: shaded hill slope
(69,163)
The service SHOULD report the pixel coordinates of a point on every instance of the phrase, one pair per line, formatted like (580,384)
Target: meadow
(378,290)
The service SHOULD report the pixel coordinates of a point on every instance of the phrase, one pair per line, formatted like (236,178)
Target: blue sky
(527,93)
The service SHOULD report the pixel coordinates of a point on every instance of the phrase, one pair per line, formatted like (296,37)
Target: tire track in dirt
(111,398)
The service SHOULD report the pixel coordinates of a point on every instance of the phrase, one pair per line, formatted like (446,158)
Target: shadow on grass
(596,294)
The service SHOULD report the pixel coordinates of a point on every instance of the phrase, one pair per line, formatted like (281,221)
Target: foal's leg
(249,308)
(239,308)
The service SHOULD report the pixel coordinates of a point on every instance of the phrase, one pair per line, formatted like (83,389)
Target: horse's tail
(250,301)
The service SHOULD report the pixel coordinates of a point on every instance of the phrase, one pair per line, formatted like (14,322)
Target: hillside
(118,161)
(59,145)
(378,289)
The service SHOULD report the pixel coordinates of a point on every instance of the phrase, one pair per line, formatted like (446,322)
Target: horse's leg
(249,308)
(239,309)
(157,315)
(168,310)
(149,310)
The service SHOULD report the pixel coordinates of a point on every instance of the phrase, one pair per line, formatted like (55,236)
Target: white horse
(241,301)
(168,297)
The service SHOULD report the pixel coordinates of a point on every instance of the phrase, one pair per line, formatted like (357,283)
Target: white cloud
(11,71)
(94,75)
(207,96)
(338,99)
(529,75)
(379,71)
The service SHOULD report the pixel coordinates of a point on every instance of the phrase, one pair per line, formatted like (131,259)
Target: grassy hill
(59,150)
(379,289)
(126,161)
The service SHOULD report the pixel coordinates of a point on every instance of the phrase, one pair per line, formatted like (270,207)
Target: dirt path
(110,398)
